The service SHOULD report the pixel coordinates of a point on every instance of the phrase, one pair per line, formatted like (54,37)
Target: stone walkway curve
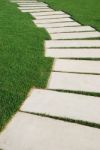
(72,91)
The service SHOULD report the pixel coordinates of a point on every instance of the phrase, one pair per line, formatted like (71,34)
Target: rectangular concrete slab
(72,43)
(36,10)
(70,29)
(74,82)
(32,7)
(81,66)
(58,24)
(30,2)
(47,13)
(76,35)
(22,1)
(73,53)
(52,16)
(64,105)
(53,20)
(29,132)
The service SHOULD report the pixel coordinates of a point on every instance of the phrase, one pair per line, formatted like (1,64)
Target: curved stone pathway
(70,44)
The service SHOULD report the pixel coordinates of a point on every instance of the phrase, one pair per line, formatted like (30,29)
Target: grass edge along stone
(23,64)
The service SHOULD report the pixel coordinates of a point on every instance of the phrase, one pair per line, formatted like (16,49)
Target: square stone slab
(73,53)
(29,132)
(64,105)
(74,82)
(79,66)
(72,43)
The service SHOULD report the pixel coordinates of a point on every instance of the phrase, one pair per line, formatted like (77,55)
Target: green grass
(87,12)
(22,61)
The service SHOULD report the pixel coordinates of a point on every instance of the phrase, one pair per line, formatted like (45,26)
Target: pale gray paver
(47,13)
(53,20)
(58,24)
(65,105)
(30,2)
(29,132)
(22,1)
(32,7)
(82,66)
(73,53)
(26,3)
(36,10)
(72,43)
(76,35)
(70,29)
(52,16)
(75,82)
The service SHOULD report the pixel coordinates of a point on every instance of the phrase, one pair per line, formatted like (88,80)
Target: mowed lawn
(22,62)
(87,12)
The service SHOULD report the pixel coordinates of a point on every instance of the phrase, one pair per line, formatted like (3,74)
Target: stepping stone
(22,1)
(58,24)
(36,10)
(74,82)
(33,8)
(34,5)
(29,3)
(76,35)
(70,29)
(53,20)
(81,66)
(64,105)
(72,43)
(53,16)
(73,53)
(40,14)
(30,132)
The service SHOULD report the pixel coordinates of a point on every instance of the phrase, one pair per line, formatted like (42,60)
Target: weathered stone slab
(81,66)
(76,35)
(72,43)
(74,82)
(42,21)
(58,24)
(73,53)
(29,132)
(65,105)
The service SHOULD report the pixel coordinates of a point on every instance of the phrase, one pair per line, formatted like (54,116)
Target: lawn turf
(22,61)
(87,12)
